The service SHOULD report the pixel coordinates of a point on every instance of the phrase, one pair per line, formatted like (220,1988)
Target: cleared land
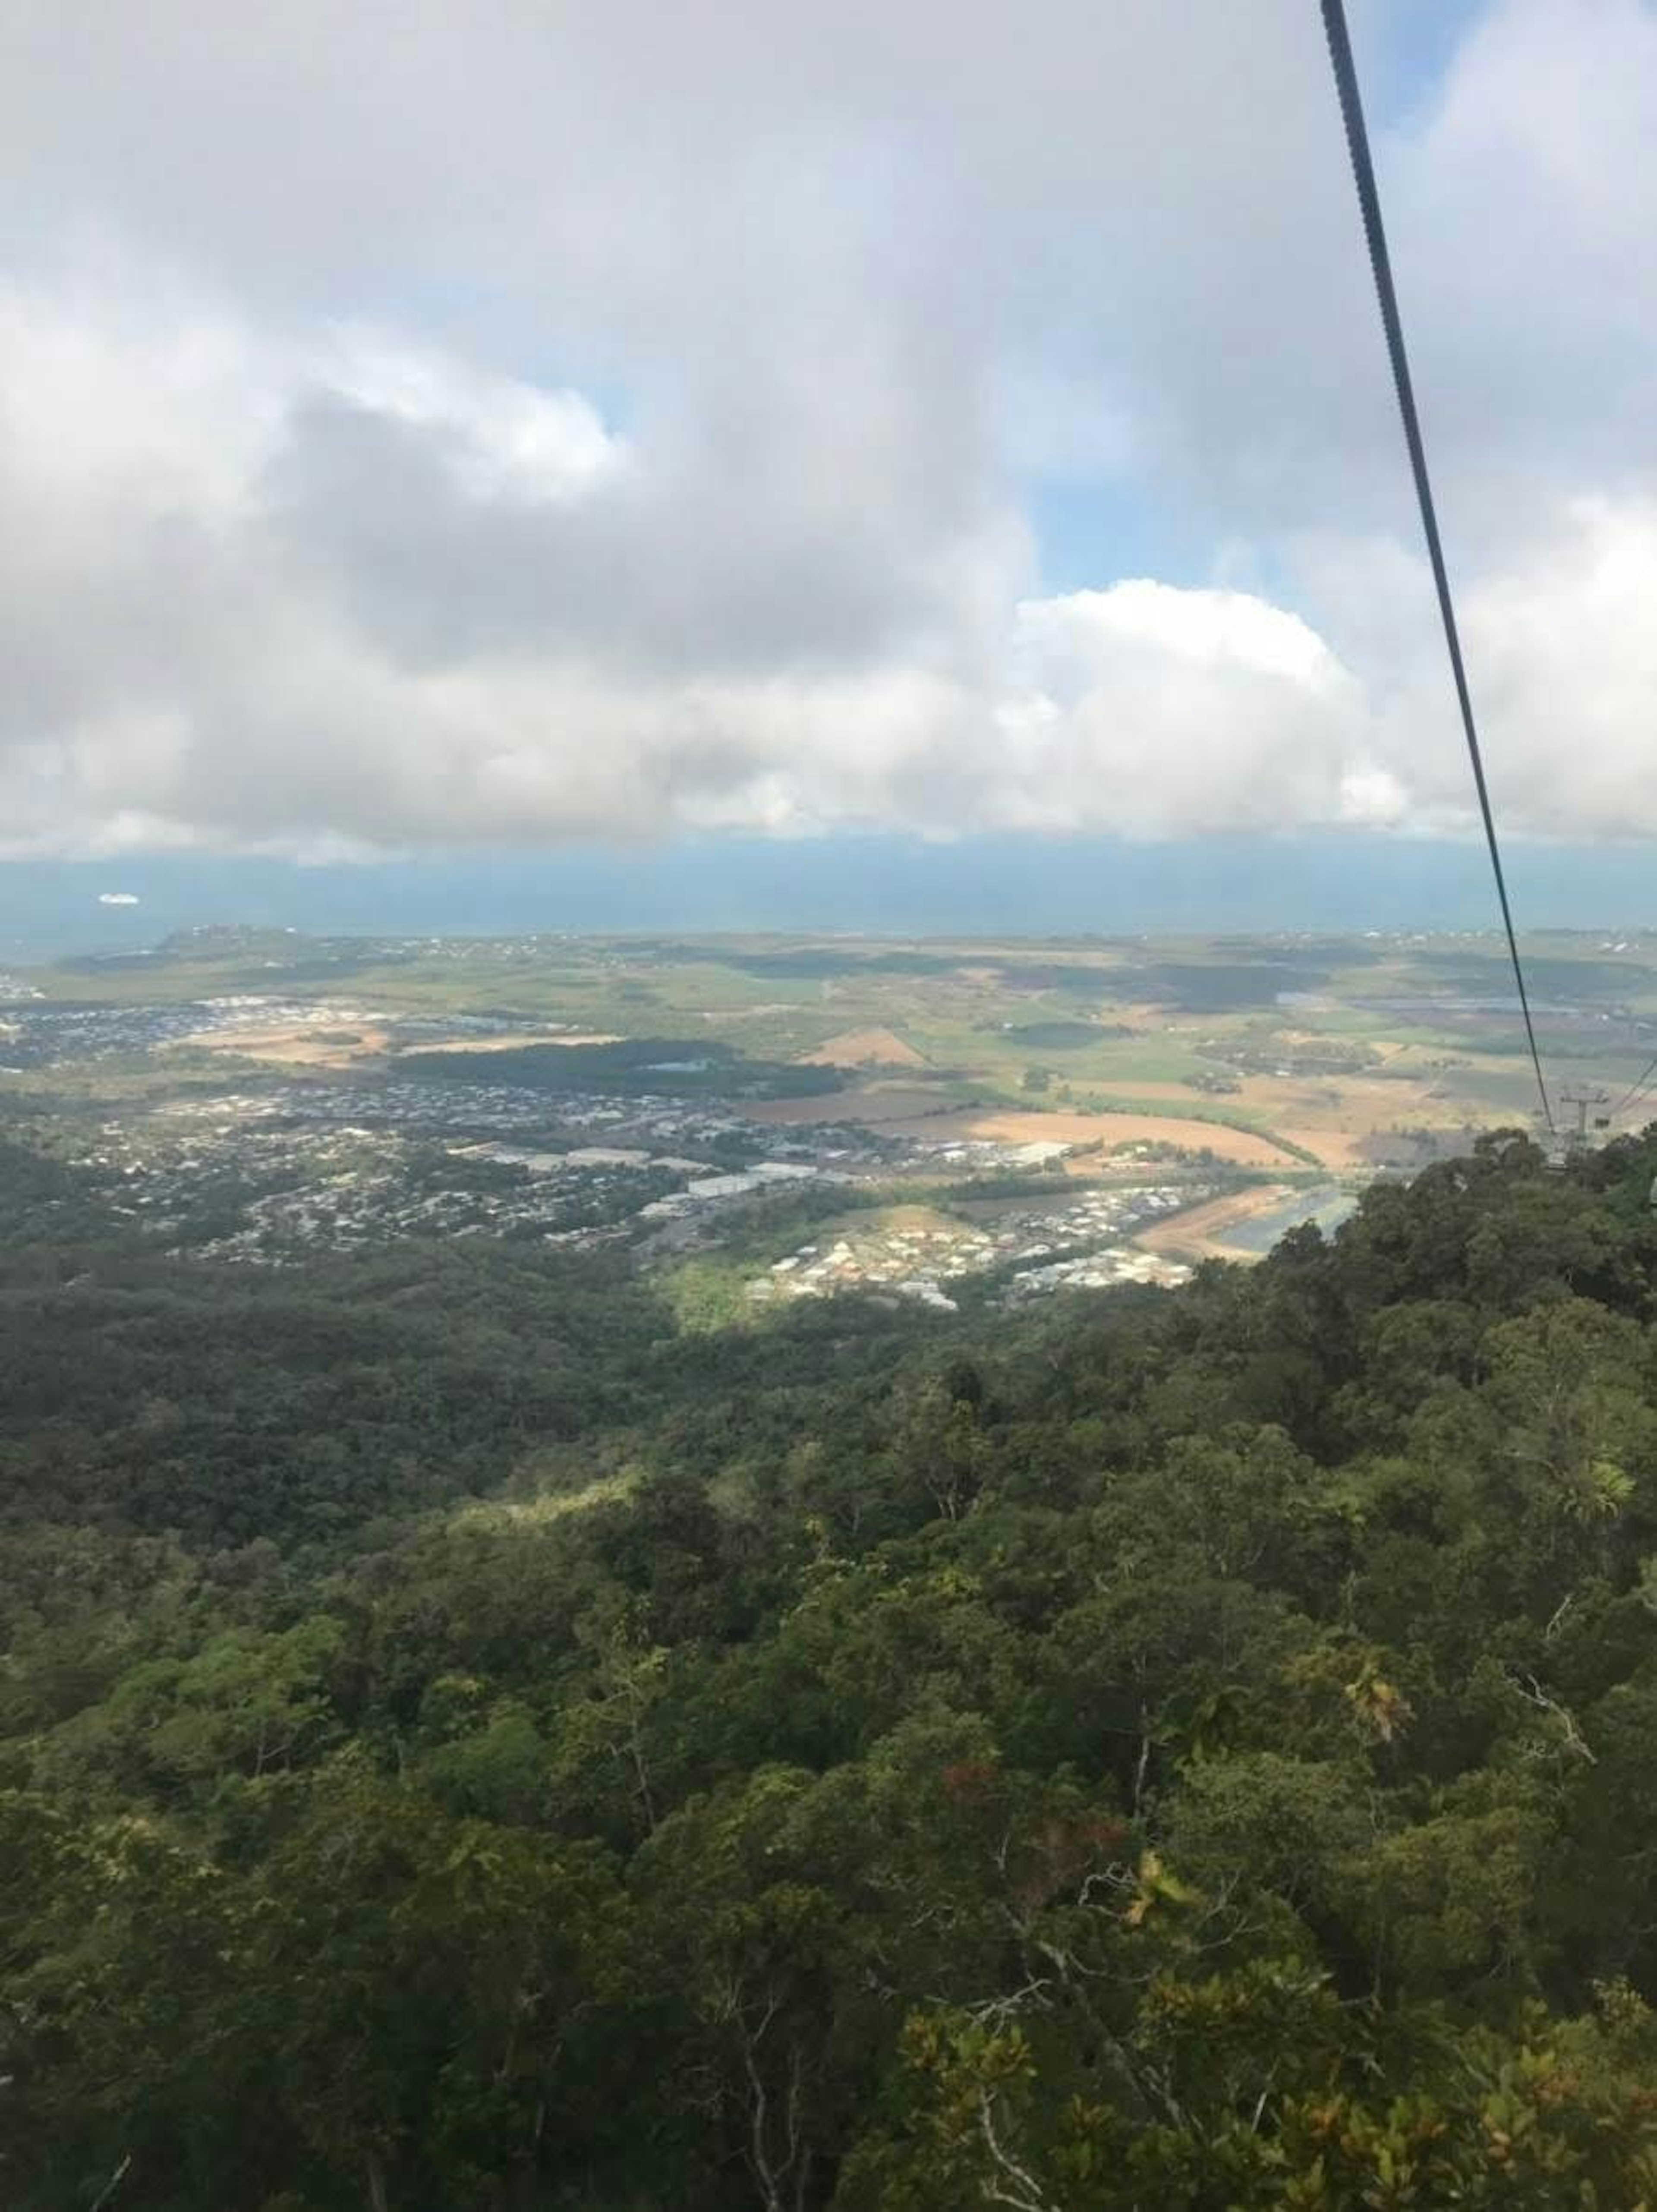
(905,1110)
(347,1043)
(1111,1131)
(870,1047)
(1200,1232)
(1336,1148)
(514,1040)
(302,1044)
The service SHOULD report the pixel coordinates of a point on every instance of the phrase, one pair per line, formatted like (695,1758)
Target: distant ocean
(983,886)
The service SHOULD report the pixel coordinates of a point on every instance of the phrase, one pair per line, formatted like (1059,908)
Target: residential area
(266,1174)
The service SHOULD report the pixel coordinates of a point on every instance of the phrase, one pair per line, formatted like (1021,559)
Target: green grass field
(1304,1039)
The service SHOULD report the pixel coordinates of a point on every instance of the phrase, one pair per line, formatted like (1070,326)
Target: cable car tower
(1584,1102)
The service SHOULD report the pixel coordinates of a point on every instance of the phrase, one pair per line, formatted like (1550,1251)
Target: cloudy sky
(441,427)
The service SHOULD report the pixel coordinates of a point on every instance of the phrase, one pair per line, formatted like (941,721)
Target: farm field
(1107,1131)
(1296,1065)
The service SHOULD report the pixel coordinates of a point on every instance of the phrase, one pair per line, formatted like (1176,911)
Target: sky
(475,437)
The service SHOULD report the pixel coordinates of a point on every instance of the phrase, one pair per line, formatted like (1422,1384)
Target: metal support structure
(1584,1102)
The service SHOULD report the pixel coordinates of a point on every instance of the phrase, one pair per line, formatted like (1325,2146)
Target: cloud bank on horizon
(537,422)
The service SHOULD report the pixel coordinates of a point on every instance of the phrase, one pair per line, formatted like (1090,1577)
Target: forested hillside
(466,1745)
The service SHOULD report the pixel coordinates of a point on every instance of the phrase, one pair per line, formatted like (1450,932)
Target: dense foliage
(464,1744)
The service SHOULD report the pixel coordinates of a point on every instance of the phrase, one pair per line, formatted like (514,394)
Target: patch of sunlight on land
(1106,1127)
(501,1513)
(321,1043)
(871,1223)
(874,1047)
(511,1041)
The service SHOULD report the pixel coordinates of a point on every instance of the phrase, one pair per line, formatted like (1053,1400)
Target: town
(923,1124)
(264,1176)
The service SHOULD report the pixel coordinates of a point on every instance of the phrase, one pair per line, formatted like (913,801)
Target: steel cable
(1357,142)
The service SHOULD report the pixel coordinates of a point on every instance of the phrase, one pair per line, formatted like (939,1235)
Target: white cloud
(119,898)
(628,421)
(1153,710)
(1563,653)
(511,440)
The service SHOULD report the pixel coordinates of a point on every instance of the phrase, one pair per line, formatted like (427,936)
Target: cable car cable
(1640,1084)
(1357,142)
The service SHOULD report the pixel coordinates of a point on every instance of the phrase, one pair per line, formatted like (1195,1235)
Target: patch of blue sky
(1092,531)
(1404,49)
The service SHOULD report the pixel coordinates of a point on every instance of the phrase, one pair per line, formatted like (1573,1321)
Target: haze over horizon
(883,457)
(1002,888)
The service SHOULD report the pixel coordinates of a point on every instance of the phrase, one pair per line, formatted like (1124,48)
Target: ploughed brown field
(869,1047)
